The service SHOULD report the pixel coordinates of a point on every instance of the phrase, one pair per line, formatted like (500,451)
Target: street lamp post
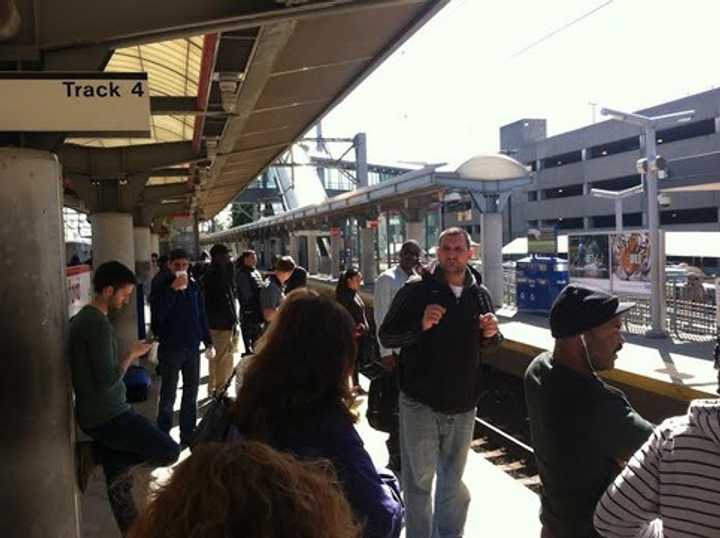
(649,126)
(617,197)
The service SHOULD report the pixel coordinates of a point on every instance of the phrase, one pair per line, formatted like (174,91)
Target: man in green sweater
(122,438)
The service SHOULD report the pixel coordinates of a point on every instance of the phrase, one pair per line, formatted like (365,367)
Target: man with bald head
(387,285)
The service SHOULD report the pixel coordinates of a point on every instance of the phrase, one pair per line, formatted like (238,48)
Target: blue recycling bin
(538,281)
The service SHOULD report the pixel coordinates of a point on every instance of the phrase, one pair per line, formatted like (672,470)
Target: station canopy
(233,84)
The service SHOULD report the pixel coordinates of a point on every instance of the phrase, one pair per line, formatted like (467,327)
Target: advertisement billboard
(542,242)
(614,262)
(631,262)
(589,259)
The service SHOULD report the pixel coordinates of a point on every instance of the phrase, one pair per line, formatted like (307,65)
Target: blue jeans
(122,443)
(172,363)
(434,443)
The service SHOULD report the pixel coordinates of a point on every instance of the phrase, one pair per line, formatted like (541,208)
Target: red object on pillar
(372,225)
(335,232)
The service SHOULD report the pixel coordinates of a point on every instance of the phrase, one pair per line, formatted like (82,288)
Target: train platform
(500,505)
(659,375)
(493,491)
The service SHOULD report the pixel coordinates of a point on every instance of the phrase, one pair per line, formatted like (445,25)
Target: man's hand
(389,362)
(210,353)
(432,316)
(138,349)
(180,283)
(489,325)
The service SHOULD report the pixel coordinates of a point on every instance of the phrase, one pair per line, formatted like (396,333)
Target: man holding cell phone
(182,325)
(443,323)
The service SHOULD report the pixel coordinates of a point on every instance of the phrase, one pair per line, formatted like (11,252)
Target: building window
(698,215)
(632,219)
(603,221)
(617,183)
(532,196)
(477,229)
(532,166)
(574,223)
(561,160)
(562,192)
(612,148)
(683,132)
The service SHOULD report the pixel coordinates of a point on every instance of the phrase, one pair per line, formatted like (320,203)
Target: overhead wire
(561,29)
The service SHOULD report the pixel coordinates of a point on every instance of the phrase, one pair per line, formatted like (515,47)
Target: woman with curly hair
(247,490)
(296,397)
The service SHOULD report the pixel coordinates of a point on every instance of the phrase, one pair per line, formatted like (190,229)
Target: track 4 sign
(98,104)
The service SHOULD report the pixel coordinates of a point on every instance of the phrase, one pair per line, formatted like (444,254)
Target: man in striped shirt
(674,476)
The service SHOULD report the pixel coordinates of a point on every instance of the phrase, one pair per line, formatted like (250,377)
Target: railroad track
(507,453)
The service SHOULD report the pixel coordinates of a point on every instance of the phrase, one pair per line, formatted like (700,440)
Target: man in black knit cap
(583,430)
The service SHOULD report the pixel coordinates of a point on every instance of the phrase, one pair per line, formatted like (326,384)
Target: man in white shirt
(386,286)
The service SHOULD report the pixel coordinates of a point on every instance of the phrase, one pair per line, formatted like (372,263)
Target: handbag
(137,383)
(216,425)
(368,361)
(382,409)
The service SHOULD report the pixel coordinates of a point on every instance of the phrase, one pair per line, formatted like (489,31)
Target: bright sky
(443,96)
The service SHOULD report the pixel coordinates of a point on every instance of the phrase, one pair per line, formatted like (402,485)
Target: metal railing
(690,315)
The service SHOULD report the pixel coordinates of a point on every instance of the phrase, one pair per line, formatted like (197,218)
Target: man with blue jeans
(182,325)
(443,322)
(122,438)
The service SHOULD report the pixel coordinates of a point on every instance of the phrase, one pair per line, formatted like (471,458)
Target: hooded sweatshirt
(674,476)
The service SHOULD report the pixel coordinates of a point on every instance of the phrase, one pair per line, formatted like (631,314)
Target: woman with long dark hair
(296,398)
(346,293)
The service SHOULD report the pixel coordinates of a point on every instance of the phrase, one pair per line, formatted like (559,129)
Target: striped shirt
(674,476)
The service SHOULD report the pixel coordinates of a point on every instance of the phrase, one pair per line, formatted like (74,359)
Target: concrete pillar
(143,247)
(113,239)
(368,266)
(37,482)
(155,243)
(196,237)
(294,248)
(336,245)
(491,247)
(415,230)
(313,258)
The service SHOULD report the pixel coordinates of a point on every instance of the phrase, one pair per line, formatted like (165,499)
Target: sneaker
(84,464)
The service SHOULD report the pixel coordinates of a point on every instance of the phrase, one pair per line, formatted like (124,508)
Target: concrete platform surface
(681,370)
(500,506)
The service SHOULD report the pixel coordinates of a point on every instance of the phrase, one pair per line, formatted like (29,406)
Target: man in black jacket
(249,282)
(219,291)
(443,322)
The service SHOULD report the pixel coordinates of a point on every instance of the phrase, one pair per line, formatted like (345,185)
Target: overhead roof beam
(124,161)
(169,172)
(161,105)
(270,42)
(116,25)
(162,192)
